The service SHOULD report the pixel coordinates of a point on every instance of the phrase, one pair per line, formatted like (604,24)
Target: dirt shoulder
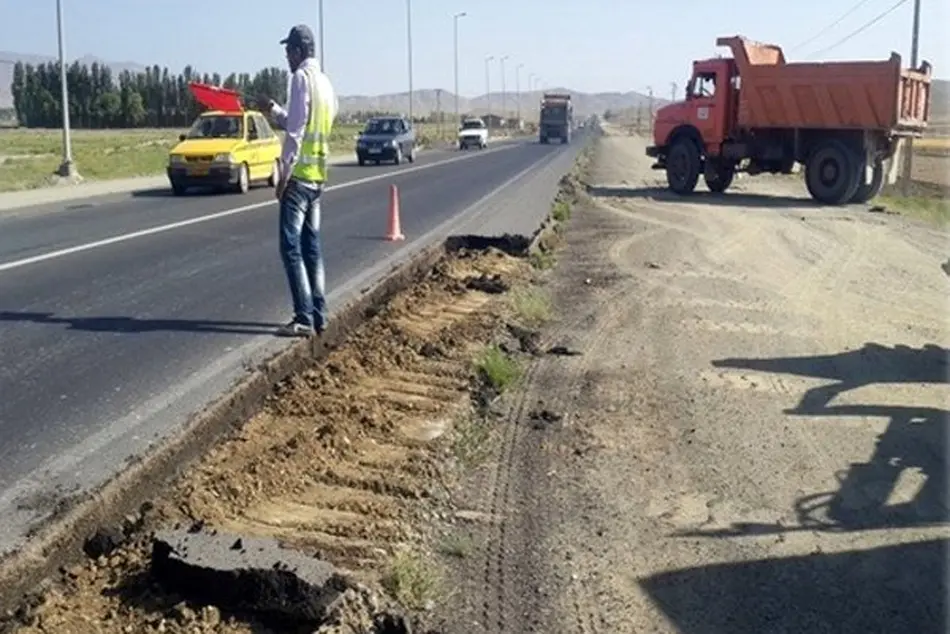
(744,432)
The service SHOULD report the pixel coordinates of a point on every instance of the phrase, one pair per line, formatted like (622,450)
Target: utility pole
(438,110)
(488,61)
(320,29)
(909,146)
(650,92)
(409,46)
(504,101)
(673,91)
(518,90)
(67,169)
(455,21)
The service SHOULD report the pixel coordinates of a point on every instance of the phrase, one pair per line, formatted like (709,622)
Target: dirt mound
(347,463)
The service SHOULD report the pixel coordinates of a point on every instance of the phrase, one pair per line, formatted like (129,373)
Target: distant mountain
(423,101)
(431,100)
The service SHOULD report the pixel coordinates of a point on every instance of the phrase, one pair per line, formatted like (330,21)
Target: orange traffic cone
(395,230)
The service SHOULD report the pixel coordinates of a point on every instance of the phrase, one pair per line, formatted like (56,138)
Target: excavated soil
(744,432)
(349,462)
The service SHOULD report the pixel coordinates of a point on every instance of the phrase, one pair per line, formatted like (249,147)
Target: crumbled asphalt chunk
(205,568)
(544,417)
(492,284)
(103,542)
(563,351)
(528,340)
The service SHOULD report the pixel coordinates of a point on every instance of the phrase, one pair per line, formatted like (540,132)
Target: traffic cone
(395,229)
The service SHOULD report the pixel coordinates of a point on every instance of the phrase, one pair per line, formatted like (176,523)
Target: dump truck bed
(875,95)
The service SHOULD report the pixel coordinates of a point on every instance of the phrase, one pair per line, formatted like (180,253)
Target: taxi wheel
(274,175)
(244,182)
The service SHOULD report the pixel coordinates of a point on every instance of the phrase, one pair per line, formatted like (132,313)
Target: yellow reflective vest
(315,146)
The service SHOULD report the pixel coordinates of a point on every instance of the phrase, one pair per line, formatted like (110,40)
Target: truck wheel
(831,174)
(718,177)
(683,167)
(866,192)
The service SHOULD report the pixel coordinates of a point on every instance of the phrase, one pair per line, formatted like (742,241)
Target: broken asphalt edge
(58,542)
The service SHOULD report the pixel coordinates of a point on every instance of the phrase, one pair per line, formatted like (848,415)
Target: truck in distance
(556,119)
(757,113)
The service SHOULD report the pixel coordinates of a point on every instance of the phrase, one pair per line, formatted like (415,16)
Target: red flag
(215,98)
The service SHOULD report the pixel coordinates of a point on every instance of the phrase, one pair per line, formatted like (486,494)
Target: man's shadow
(119,324)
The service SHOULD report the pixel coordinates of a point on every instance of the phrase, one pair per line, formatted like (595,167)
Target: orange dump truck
(757,113)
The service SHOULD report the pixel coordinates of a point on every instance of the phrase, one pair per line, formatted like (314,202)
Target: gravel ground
(750,437)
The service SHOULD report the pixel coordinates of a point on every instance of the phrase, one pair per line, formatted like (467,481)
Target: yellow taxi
(225,150)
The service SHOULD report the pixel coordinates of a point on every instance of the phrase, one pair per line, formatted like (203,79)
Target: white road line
(52,255)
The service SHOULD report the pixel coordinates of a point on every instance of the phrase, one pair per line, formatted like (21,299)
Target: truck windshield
(553,113)
(472,125)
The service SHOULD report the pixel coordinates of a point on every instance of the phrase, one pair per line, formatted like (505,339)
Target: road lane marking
(59,253)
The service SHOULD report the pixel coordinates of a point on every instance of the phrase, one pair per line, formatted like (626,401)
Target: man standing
(307,123)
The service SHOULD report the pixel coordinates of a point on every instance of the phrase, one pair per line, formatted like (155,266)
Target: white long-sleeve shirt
(294,119)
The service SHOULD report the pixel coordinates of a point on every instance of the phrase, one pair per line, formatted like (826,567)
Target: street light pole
(455,19)
(67,169)
(320,28)
(488,60)
(504,103)
(409,46)
(518,91)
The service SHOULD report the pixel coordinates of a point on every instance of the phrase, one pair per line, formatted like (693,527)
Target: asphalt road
(119,316)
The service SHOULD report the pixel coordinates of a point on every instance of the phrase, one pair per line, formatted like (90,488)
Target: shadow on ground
(884,590)
(136,325)
(699,197)
(914,439)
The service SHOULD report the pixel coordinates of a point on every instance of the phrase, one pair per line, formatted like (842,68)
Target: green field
(29,158)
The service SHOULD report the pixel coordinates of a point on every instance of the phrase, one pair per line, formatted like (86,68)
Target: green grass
(412,581)
(531,304)
(542,260)
(28,158)
(471,440)
(500,370)
(931,209)
(456,545)
(561,211)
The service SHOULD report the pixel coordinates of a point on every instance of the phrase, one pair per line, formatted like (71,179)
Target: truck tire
(683,166)
(866,192)
(718,177)
(831,173)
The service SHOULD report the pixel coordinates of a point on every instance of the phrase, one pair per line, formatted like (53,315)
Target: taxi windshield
(226,127)
(381,126)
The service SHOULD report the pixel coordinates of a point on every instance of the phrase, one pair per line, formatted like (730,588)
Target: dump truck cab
(706,113)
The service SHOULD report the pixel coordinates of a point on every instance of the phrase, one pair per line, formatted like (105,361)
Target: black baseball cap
(300,36)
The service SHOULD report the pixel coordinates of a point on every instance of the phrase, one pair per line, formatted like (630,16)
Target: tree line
(154,98)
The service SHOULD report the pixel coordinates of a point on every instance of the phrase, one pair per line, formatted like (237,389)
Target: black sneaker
(295,329)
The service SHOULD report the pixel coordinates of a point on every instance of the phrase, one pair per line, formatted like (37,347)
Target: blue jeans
(301,254)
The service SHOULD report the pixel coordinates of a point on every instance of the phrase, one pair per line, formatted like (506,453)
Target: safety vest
(315,146)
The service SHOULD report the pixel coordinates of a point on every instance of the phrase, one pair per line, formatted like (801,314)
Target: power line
(860,30)
(830,26)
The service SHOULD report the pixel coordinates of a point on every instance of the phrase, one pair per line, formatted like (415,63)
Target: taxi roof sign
(216,98)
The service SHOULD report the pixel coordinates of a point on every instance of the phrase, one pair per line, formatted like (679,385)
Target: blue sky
(587,45)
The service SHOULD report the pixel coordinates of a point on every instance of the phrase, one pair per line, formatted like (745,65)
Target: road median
(341,460)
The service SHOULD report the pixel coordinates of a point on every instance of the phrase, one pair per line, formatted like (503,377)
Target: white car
(473,133)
